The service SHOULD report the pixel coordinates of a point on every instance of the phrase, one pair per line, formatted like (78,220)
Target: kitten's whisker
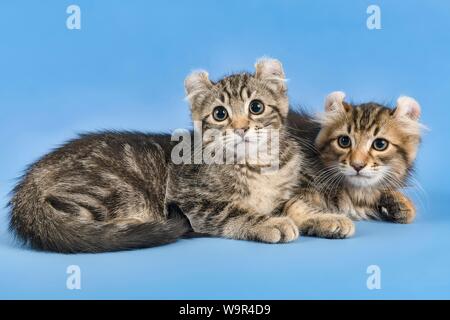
(324,172)
(322,180)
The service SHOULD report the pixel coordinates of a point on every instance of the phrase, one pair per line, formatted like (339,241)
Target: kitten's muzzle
(358,166)
(241,132)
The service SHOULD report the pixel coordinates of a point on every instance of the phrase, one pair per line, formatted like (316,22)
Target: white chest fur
(350,198)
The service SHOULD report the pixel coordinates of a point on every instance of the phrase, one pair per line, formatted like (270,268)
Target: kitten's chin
(361,181)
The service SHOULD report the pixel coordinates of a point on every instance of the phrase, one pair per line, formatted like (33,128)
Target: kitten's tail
(44,228)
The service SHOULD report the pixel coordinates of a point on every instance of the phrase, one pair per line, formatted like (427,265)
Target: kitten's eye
(256,107)
(344,142)
(220,113)
(380,144)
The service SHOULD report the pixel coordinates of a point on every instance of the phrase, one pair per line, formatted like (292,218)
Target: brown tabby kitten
(241,201)
(122,190)
(366,154)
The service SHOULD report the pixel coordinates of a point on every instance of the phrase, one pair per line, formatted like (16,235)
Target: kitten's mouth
(243,143)
(359,175)
(245,140)
(361,180)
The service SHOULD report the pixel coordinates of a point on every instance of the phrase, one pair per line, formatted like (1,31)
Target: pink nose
(241,132)
(358,166)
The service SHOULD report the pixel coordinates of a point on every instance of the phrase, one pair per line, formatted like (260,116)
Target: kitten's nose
(358,166)
(240,123)
(241,132)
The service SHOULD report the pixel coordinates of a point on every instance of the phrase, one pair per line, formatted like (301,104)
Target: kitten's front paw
(397,208)
(275,230)
(329,226)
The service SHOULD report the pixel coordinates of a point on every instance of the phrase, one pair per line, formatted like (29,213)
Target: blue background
(125,69)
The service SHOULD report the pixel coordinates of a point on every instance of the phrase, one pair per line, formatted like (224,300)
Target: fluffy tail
(42,227)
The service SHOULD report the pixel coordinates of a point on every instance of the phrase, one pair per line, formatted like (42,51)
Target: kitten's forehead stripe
(241,91)
(249,94)
(222,97)
(371,118)
(355,117)
(227,92)
(234,86)
(377,130)
(365,118)
(376,116)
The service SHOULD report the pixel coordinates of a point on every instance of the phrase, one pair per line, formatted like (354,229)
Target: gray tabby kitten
(121,190)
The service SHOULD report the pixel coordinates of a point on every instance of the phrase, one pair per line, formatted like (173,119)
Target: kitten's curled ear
(196,83)
(271,71)
(334,102)
(407,107)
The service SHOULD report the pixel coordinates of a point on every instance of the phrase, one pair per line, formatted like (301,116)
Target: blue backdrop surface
(124,69)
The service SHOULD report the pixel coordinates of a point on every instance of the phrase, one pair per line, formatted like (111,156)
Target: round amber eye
(220,113)
(256,107)
(380,144)
(344,141)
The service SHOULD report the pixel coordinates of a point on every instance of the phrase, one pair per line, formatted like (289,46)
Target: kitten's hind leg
(396,207)
(313,221)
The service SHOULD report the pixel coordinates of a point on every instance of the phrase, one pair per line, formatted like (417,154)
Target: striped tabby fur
(358,180)
(120,190)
